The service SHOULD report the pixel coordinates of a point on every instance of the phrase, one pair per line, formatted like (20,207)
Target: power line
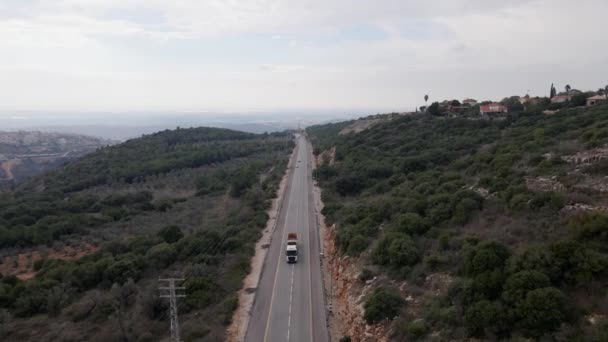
(171,294)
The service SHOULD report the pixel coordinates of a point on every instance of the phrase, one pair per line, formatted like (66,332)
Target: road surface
(289,303)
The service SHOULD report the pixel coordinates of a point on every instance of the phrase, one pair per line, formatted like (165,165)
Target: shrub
(535,259)
(356,245)
(384,303)
(416,329)
(396,250)
(575,263)
(412,224)
(162,255)
(464,209)
(487,256)
(366,275)
(482,317)
(171,234)
(542,311)
(590,226)
(349,185)
(519,284)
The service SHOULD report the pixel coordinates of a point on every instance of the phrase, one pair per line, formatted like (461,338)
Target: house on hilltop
(469,102)
(593,100)
(492,109)
(560,98)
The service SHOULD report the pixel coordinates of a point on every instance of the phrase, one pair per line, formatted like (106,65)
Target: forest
(187,202)
(503,210)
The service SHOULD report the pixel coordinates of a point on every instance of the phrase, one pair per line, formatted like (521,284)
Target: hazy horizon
(124,125)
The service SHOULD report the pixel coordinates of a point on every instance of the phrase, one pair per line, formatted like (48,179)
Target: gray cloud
(70,54)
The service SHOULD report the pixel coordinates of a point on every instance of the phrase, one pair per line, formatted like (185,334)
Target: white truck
(291,250)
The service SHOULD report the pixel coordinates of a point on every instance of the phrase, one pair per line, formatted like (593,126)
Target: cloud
(184,54)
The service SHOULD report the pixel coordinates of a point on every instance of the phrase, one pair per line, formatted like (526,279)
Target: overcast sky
(231,55)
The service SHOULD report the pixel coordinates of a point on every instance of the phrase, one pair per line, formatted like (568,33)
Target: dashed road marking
(290,301)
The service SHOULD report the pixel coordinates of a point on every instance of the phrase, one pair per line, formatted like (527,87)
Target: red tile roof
(493,108)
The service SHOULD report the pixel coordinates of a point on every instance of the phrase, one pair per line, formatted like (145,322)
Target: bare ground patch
(22,265)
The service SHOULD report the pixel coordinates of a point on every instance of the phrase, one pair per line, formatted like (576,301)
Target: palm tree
(426,98)
(568,90)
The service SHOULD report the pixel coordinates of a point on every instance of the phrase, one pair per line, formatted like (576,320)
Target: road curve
(289,303)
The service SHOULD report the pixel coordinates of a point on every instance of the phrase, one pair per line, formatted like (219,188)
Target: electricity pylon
(172,295)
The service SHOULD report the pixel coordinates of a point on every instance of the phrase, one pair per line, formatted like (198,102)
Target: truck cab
(291,250)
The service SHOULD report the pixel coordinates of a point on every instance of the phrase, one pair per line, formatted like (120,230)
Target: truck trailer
(291,249)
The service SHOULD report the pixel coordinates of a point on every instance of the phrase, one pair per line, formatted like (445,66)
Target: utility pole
(171,288)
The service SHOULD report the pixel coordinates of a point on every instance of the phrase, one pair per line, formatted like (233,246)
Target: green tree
(487,256)
(513,104)
(578,100)
(519,284)
(395,250)
(483,317)
(57,298)
(539,259)
(384,303)
(590,226)
(542,311)
(162,255)
(349,185)
(171,234)
(356,245)
(576,263)
(412,223)
(433,109)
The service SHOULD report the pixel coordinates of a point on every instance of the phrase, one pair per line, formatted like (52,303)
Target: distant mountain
(125,132)
(25,154)
(128,125)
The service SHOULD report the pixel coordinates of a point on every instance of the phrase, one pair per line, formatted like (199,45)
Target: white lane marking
(276,275)
(290,301)
(299,257)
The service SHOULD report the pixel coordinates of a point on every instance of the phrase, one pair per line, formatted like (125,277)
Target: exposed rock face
(346,297)
(585,207)
(544,184)
(587,157)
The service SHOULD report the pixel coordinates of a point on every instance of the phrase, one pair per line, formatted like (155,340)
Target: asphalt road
(289,303)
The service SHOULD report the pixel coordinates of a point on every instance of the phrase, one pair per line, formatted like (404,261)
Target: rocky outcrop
(587,157)
(544,184)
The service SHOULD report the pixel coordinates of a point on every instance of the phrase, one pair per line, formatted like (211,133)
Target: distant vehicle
(292,248)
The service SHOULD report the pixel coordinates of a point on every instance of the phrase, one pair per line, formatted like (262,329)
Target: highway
(289,303)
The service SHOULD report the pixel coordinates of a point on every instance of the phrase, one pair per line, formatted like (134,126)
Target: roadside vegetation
(499,209)
(187,202)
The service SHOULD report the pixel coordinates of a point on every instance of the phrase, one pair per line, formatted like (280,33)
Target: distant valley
(25,154)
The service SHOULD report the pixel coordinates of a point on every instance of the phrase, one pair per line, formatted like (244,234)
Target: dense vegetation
(464,198)
(188,202)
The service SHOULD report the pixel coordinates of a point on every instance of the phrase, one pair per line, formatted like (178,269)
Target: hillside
(461,228)
(26,154)
(82,247)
